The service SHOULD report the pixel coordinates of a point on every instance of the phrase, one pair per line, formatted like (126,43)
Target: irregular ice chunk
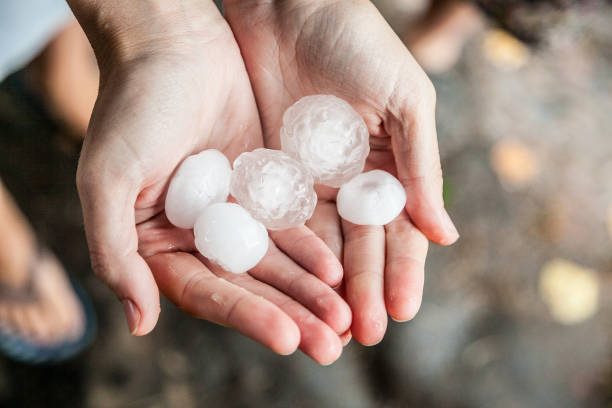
(202,179)
(226,234)
(327,136)
(371,198)
(274,188)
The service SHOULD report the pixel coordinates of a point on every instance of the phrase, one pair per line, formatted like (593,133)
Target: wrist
(124,31)
(249,4)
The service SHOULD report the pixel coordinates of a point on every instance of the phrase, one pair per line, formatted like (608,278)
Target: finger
(279,271)
(415,146)
(317,339)
(310,252)
(325,223)
(158,235)
(404,268)
(108,215)
(346,337)
(185,281)
(364,262)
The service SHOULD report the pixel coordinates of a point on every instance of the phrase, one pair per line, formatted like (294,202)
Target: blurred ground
(527,155)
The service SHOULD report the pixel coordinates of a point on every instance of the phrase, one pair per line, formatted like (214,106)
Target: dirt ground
(527,157)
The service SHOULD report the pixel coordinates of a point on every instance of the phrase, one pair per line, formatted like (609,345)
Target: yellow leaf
(570,291)
(504,51)
(515,164)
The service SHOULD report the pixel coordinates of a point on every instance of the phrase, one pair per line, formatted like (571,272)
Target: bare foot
(37,301)
(67,74)
(438,41)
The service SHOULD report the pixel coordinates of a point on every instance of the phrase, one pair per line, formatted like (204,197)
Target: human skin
(173,83)
(54,314)
(294,48)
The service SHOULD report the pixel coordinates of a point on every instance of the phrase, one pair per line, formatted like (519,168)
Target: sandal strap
(27,292)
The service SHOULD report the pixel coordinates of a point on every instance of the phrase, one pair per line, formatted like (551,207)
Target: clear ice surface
(371,198)
(326,135)
(274,188)
(201,179)
(227,235)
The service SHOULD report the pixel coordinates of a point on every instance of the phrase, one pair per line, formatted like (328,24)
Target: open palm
(299,47)
(151,113)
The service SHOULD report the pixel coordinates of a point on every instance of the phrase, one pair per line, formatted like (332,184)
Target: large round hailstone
(327,136)
(227,235)
(274,188)
(202,179)
(371,198)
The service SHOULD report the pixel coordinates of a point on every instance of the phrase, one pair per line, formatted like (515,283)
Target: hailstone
(326,135)
(371,198)
(202,179)
(226,234)
(274,188)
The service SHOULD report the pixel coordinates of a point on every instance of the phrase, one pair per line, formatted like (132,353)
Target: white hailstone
(202,179)
(371,198)
(327,136)
(274,188)
(227,235)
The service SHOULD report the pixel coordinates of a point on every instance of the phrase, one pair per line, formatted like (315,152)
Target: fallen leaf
(516,165)
(504,50)
(570,291)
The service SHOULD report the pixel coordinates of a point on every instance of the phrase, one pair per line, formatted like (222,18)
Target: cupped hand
(295,48)
(160,100)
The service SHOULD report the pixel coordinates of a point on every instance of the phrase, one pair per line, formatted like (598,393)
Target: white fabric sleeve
(26,27)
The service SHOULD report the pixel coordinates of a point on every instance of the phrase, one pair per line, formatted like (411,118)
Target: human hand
(174,84)
(295,48)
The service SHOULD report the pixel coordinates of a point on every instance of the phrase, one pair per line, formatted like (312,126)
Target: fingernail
(450,229)
(346,337)
(132,315)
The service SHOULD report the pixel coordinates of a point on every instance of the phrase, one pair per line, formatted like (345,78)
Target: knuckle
(231,312)
(361,277)
(402,228)
(357,232)
(304,241)
(424,178)
(189,289)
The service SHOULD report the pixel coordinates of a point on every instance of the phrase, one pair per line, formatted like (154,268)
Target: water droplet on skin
(321,301)
(217,298)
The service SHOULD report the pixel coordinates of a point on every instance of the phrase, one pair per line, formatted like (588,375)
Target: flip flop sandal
(19,348)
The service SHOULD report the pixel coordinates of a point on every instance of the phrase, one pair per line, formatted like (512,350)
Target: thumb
(415,148)
(108,215)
